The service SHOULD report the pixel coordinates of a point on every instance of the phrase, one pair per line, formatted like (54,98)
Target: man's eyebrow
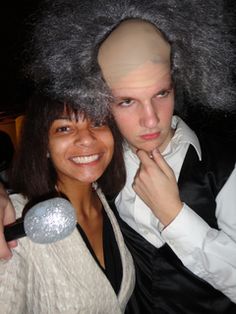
(169,86)
(123,97)
(119,99)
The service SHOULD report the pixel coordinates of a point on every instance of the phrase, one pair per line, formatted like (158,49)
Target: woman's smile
(88,159)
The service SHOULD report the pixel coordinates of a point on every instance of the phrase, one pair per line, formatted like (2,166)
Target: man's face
(143,107)
(135,63)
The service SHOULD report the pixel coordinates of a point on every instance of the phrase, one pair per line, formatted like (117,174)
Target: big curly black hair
(68,33)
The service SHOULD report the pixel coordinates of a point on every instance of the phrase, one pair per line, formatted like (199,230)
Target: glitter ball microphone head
(50,220)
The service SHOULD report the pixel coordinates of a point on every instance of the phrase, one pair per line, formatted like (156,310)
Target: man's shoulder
(218,153)
(223,146)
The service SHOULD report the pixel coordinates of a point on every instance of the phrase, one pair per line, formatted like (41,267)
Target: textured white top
(62,277)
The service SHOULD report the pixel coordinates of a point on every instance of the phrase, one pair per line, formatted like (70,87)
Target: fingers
(7,216)
(156,158)
(146,163)
(9,213)
(147,168)
(156,185)
(5,252)
(163,165)
(145,158)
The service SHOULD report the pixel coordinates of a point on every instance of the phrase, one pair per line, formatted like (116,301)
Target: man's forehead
(147,75)
(132,44)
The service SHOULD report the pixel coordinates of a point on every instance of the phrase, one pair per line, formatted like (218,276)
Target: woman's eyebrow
(63,118)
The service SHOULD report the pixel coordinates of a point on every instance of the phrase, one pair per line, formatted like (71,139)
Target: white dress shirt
(207,252)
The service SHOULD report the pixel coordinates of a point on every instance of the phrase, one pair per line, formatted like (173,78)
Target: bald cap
(133,44)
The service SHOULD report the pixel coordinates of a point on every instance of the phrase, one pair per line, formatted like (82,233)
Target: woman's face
(80,150)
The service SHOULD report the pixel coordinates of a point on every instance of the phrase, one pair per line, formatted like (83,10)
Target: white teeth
(85,159)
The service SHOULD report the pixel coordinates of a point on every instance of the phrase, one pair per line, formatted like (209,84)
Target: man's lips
(150,136)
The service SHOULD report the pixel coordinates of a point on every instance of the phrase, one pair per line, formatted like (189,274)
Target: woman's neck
(83,198)
(89,214)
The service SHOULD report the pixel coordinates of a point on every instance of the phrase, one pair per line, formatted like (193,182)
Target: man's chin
(147,148)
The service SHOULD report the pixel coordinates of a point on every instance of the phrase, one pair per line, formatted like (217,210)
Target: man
(140,81)
(135,62)
(182,237)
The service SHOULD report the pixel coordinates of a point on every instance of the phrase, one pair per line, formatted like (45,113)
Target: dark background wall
(13,33)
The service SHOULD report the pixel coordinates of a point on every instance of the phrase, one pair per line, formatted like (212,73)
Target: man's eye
(163,93)
(125,102)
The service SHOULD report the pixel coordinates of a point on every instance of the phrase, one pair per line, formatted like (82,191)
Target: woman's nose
(84,137)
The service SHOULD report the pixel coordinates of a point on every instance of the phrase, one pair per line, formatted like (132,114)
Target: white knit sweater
(62,277)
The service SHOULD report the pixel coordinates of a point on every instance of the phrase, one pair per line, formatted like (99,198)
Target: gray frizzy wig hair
(68,34)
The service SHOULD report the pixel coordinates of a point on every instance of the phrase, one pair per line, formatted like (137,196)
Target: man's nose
(149,116)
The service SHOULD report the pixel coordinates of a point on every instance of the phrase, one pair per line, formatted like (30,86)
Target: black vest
(163,283)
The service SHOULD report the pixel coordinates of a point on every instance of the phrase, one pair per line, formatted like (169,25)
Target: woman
(63,153)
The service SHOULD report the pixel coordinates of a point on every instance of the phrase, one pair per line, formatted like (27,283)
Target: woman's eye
(63,129)
(98,124)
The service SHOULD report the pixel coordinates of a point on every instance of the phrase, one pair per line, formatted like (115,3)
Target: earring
(48,155)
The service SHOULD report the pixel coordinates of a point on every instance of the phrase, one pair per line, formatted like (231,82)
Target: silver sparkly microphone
(46,222)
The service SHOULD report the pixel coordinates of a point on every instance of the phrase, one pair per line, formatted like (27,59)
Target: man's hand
(7,216)
(156,185)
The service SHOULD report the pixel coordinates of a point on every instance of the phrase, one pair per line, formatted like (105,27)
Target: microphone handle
(15,230)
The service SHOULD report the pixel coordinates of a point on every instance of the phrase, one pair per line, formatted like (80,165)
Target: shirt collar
(183,135)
